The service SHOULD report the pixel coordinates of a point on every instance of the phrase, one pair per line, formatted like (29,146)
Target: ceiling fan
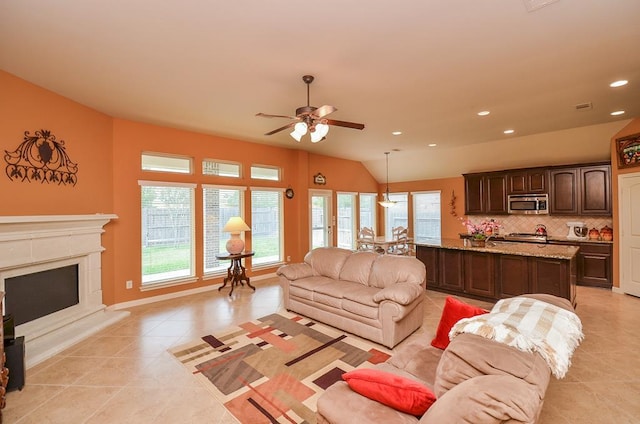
(310,119)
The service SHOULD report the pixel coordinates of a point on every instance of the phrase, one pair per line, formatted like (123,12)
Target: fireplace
(50,271)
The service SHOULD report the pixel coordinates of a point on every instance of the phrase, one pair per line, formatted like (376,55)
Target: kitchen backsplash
(556,226)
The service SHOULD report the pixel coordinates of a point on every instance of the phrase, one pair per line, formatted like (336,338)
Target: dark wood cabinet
(479,274)
(512,275)
(492,276)
(573,190)
(547,275)
(582,190)
(429,256)
(595,190)
(563,191)
(496,194)
(473,194)
(450,270)
(485,194)
(594,265)
(527,181)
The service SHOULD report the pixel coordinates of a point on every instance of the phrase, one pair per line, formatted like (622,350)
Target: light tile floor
(124,374)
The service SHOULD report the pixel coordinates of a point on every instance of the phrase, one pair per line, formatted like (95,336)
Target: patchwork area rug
(273,369)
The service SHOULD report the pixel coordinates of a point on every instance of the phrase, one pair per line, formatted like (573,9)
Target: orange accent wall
(107,152)
(448,187)
(632,128)
(87,135)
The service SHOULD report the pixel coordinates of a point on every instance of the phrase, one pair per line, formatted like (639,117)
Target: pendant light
(386,203)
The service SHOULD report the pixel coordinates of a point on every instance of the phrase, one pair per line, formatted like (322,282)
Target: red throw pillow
(454,310)
(397,392)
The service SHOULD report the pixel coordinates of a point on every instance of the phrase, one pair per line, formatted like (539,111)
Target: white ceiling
(423,67)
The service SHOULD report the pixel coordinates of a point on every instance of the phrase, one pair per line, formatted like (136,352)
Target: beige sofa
(377,297)
(475,380)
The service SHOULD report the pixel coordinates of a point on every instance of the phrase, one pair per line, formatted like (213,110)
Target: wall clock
(289,193)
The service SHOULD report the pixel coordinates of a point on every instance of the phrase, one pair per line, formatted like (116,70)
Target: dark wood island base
(499,270)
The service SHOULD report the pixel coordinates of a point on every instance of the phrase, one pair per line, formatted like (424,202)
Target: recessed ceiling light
(509,131)
(397,133)
(619,83)
(432,144)
(617,112)
(483,113)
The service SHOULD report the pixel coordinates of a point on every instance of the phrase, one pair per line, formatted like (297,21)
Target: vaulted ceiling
(422,67)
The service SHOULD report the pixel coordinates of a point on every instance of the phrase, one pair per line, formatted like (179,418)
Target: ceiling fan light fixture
(299,130)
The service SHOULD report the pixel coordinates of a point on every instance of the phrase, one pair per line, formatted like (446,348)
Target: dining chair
(400,244)
(366,238)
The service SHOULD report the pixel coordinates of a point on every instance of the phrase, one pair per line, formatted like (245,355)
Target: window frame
(255,262)
(170,281)
(222,269)
(166,156)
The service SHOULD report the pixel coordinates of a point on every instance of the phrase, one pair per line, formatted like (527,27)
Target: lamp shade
(235,225)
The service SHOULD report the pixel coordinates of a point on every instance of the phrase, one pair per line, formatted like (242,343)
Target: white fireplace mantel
(39,242)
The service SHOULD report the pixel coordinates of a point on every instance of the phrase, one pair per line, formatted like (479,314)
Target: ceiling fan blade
(281,128)
(323,111)
(345,124)
(266,115)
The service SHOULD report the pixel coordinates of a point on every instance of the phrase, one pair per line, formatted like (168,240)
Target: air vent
(584,106)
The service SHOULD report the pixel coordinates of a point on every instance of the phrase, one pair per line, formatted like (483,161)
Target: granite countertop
(565,239)
(555,251)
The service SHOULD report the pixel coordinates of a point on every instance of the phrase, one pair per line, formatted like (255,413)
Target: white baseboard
(178,294)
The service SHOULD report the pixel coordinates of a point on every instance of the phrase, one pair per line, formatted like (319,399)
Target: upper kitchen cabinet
(527,181)
(595,190)
(580,190)
(485,193)
(563,193)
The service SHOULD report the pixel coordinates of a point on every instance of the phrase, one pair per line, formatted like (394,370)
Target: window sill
(168,283)
(267,266)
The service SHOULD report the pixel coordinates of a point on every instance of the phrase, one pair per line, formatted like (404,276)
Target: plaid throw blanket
(529,325)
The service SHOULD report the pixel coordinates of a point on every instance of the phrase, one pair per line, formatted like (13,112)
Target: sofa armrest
(487,399)
(401,293)
(295,271)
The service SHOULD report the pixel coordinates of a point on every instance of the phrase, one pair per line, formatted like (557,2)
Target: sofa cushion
(391,269)
(331,294)
(469,356)
(305,287)
(390,389)
(454,310)
(327,261)
(487,399)
(340,404)
(357,267)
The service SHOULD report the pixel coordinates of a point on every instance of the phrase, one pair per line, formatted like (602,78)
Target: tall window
(266,226)
(368,210)
(397,215)
(346,220)
(426,216)
(167,232)
(219,204)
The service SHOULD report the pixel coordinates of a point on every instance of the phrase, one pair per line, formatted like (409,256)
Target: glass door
(321,219)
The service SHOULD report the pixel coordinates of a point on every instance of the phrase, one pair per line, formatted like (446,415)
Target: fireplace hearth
(36,246)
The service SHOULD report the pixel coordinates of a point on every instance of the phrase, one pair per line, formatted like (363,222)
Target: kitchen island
(500,269)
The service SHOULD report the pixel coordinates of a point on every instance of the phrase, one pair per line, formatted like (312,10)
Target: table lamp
(235,225)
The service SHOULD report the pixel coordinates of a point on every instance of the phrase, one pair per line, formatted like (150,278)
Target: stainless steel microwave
(528,204)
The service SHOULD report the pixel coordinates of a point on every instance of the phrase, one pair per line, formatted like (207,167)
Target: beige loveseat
(377,297)
(475,380)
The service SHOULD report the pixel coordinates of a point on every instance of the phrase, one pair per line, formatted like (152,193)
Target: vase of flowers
(480,232)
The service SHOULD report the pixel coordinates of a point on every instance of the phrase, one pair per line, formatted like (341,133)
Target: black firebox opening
(32,296)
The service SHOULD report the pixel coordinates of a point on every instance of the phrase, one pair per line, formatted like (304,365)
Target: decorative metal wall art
(41,157)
